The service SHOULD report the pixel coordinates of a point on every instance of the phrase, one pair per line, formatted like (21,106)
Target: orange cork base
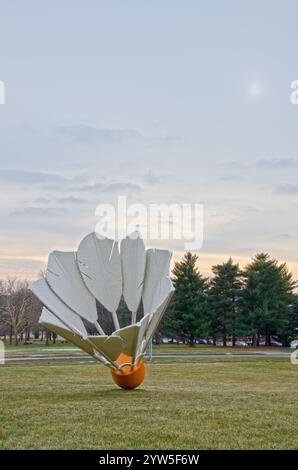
(128,378)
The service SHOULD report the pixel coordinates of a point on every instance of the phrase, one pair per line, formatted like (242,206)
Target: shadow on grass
(119,392)
(104,393)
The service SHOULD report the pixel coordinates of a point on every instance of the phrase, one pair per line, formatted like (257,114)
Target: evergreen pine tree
(267,296)
(188,307)
(223,301)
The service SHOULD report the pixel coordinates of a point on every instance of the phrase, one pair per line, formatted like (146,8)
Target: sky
(161,101)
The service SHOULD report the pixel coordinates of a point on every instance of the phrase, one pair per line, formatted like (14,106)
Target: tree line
(256,302)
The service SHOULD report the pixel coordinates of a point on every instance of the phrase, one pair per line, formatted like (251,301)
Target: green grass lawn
(181,405)
(40,348)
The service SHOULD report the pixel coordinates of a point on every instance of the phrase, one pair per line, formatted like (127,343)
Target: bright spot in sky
(255,89)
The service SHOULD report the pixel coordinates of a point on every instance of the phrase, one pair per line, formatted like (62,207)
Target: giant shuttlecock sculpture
(82,291)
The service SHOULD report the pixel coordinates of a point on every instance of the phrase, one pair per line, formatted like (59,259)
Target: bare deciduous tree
(20,309)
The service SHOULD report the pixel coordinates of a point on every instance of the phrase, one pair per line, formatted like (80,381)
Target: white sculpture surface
(98,273)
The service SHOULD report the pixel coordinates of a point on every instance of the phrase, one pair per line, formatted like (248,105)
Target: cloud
(284,235)
(151,178)
(21,268)
(287,188)
(30,177)
(90,134)
(277,163)
(234,165)
(110,187)
(231,177)
(55,182)
(42,200)
(72,200)
(39,211)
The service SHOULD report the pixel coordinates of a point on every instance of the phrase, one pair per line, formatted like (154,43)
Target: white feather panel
(64,278)
(99,263)
(48,298)
(156,316)
(157,279)
(48,320)
(133,262)
(133,335)
(110,347)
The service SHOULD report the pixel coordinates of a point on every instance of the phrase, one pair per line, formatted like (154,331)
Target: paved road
(156,356)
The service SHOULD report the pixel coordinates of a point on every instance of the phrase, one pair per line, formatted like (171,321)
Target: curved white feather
(133,336)
(64,278)
(99,263)
(155,317)
(157,279)
(133,262)
(48,317)
(110,346)
(49,321)
(48,298)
